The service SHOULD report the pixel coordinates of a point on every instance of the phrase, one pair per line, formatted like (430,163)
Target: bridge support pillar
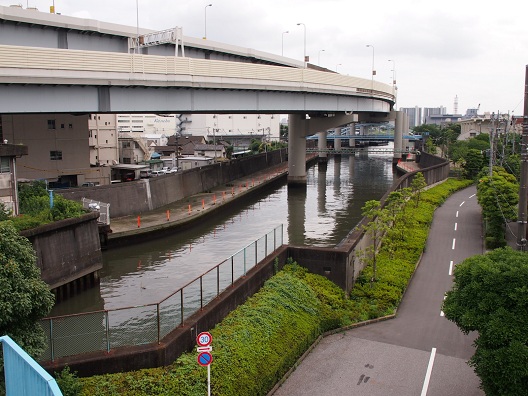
(352,142)
(337,141)
(296,150)
(398,135)
(322,159)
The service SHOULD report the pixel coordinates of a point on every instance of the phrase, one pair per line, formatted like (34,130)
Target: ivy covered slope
(257,343)
(253,346)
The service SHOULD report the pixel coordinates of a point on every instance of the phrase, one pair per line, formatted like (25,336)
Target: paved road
(418,353)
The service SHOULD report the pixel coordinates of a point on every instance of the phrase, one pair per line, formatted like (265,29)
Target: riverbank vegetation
(36,208)
(255,345)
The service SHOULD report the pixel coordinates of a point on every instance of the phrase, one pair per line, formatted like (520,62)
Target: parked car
(173,170)
(165,169)
(158,173)
(145,174)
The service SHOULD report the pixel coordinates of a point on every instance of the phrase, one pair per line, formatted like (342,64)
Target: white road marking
(457,213)
(463,202)
(456,225)
(472,195)
(451,267)
(428,373)
(453,247)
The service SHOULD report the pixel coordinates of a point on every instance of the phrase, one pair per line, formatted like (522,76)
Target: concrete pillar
(322,142)
(337,141)
(296,150)
(398,135)
(352,141)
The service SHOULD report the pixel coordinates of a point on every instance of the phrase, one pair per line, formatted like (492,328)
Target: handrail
(153,70)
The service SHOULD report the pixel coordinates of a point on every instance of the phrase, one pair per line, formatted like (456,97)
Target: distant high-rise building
(433,111)
(414,114)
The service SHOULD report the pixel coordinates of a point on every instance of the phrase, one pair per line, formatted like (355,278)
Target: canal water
(320,215)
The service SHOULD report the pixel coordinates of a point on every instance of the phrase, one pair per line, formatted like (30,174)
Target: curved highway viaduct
(58,64)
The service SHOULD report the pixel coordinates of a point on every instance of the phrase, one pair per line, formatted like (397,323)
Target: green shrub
(68,382)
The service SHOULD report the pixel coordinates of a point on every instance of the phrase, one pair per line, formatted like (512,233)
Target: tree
(490,296)
(498,196)
(473,163)
(24,297)
(376,228)
(418,183)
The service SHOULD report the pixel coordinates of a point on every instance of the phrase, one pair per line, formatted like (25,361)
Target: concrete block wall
(67,250)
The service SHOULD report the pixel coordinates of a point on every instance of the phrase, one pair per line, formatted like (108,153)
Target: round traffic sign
(205,359)
(204,339)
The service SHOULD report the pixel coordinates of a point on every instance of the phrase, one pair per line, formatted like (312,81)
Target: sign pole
(209,380)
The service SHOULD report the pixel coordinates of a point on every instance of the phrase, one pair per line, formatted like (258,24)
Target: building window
(126,160)
(51,124)
(4,165)
(56,155)
(70,126)
(62,126)
(126,144)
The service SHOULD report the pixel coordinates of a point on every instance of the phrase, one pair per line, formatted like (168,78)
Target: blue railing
(24,376)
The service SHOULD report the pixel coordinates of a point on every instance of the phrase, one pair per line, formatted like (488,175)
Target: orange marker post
(214,199)
(203,204)
(168,215)
(139,221)
(223,195)
(189,209)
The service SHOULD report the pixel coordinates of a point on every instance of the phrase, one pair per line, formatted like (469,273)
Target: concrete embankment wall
(68,250)
(140,196)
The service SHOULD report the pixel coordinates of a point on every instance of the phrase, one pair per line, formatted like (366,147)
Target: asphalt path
(419,352)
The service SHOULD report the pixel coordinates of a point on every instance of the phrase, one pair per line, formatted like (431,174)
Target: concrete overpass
(58,64)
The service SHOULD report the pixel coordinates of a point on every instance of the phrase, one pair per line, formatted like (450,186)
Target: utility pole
(523,186)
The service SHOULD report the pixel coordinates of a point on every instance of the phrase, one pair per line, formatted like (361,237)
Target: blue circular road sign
(205,359)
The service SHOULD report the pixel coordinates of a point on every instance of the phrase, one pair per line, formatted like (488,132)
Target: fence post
(52,342)
(201,292)
(274,238)
(256,252)
(181,299)
(245,261)
(159,322)
(232,270)
(217,280)
(107,329)
(266,246)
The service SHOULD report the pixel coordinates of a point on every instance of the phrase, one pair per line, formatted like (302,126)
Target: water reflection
(320,214)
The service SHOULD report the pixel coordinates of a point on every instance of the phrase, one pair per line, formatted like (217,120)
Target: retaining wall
(67,249)
(140,196)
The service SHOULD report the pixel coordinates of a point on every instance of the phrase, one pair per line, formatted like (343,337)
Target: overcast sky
(472,49)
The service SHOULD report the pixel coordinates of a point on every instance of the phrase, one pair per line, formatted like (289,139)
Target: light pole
(339,64)
(300,23)
(205,20)
(393,79)
(373,71)
(319,57)
(283,33)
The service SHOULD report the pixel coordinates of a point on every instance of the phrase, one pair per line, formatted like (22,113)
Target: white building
(103,139)
(237,129)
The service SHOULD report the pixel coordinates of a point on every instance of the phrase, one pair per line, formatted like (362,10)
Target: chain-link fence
(107,329)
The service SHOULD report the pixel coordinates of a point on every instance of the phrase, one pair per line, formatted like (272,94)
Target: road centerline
(428,373)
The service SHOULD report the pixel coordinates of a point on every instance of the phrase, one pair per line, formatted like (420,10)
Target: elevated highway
(59,64)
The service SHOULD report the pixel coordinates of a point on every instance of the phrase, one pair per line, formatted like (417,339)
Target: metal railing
(108,329)
(24,376)
(97,206)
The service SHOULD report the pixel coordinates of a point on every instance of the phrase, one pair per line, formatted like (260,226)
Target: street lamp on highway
(283,33)
(319,57)
(305,60)
(205,20)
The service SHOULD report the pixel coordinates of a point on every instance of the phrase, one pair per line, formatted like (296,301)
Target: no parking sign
(204,340)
